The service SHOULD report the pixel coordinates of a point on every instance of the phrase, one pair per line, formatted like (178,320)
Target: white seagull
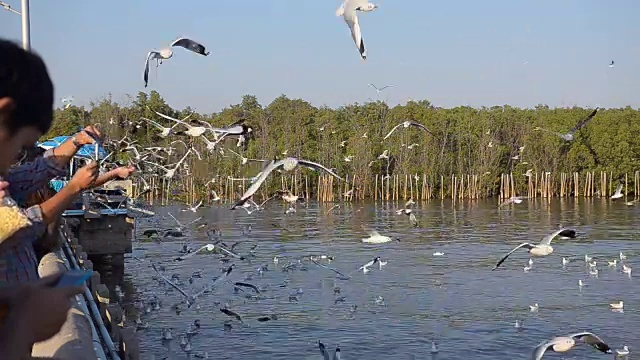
(171,172)
(612,64)
(164,131)
(348,11)
(325,353)
(570,135)
(193,131)
(565,343)
(167,53)
(287,164)
(406,124)
(544,248)
(379,90)
(618,193)
(194,208)
(376,238)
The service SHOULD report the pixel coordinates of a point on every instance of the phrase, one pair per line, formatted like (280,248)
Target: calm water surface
(454,299)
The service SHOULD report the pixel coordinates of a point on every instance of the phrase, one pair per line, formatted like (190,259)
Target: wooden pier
(90,231)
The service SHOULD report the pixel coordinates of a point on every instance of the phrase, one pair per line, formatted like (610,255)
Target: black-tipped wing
(169,281)
(420,126)
(191,45)
(317,166)
(570,233)
(593,340)
(250,286)
(584,121)
(231,313)
(539,351)
(332,269)
(259,181)
(150,56)
(526,245)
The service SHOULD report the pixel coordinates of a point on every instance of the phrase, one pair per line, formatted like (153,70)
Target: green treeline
(465,141)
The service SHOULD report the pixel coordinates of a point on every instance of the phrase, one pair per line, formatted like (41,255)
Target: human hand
(37,310)
(88,135)
(85,177)
(124,172)
(4,186)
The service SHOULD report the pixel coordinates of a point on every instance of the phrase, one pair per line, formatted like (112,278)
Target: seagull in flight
(569,136)
(287,164)
(167,53)
(563,344)
(66,101)
(348,11)
(164,131)
(170,172)
(379,90)
(194,208)
(544,248)
(193,131)
(405,125)
(618,193)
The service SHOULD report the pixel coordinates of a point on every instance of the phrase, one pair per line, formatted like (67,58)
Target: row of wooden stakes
(325,188)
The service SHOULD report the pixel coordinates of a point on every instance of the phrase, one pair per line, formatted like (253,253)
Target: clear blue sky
(450,52)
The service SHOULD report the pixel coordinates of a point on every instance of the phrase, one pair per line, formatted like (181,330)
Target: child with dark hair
(35,311)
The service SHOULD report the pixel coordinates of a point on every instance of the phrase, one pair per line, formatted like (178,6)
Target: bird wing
(172,119)
(256,185)
(251,286)
(541,348)
(232,130)
(373,86)
(593,340)
(176,220)
(317,166)
(323,351)
(563,232)
(370,263)
(392,130)
(527,245)
(340,10)
(153,123)
(150,55)
(420,126)
(169,281)
(332,269)
(351,18)
(191,45)
(231,313)
(584,121)
(385,87)
(618,190)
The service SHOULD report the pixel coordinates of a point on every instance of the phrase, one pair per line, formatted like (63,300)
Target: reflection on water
(454,299)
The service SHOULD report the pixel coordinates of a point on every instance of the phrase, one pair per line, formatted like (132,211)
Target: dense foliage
(465,140)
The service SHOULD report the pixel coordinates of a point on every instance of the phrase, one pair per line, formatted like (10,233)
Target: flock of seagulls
(156,161)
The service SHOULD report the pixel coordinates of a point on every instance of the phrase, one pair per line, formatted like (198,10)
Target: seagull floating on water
(617,306)
(348,10)
(563,344)
(325,353)
(544,248)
